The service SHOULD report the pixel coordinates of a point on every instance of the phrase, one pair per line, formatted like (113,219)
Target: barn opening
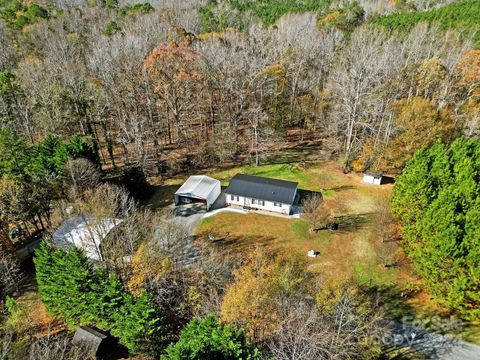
(198,189)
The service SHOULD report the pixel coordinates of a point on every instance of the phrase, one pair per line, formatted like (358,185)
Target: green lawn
(350,252)
(309,176)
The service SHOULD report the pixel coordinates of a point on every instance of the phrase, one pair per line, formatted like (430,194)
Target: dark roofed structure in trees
(93,341)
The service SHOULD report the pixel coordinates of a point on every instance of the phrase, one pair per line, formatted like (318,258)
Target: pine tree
(138,325)
(438,200)
(206,339)
(65,281)
(72,290)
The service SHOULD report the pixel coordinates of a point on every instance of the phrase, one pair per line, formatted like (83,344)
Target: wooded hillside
(101,99)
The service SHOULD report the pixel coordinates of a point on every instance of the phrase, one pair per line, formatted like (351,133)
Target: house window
(277,204)
(258,202)
(234,197)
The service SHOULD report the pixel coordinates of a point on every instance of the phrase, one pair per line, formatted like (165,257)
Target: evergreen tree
(206,339)
(438,200)
(65,281)
(72,290)
(138,325)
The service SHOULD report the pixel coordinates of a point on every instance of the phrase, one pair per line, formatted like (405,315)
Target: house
(198,189)
(86,233)
(374,178)
(261,193)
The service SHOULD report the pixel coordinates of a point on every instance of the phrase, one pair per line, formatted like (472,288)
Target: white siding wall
(370,179)
(214,194)
(269,206)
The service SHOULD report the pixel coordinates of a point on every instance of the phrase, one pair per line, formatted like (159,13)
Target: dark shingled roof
(88,338)
(262,188)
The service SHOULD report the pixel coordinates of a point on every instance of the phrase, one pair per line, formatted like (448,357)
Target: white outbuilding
(374,178)
(85,233)
(198,189)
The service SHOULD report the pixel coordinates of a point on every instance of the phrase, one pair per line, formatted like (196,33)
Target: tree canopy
(207,339)
(438,200)
(74,291)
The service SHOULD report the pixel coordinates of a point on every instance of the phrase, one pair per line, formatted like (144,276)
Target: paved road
(435,346)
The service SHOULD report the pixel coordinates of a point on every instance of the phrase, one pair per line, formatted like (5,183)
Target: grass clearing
(352,202)
(353,252)
(34,318)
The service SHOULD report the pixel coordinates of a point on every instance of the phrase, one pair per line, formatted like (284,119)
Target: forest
(104,101)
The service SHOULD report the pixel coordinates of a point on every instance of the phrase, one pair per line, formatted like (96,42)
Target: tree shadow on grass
(406,337)
(303,194)
(341,188)
(238,244)
(295,154)
(355,222)
(391,298)
(162,196)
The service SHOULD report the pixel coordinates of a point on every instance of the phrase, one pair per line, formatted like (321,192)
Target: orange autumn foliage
(251,299)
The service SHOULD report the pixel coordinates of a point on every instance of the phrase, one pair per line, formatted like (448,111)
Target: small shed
(93,341)
(374,178)
(198,189)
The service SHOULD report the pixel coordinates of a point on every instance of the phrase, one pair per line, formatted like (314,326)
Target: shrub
(207,339)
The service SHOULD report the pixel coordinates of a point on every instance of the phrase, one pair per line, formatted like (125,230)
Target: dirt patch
(36,320)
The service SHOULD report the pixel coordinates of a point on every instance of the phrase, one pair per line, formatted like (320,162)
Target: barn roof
(263,188)
(199,186)
(85,233)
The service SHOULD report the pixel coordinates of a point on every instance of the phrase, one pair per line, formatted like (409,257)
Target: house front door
(248,201)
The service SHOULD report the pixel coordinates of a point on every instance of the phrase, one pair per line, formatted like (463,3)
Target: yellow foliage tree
(468,73)
(366,158)
(353,312)
(430,75)
(147,266)
(418,124)
(252,300)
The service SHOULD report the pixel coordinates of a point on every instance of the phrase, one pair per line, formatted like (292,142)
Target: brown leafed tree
(174,70)
(264,280)
(418,124)
(316,212)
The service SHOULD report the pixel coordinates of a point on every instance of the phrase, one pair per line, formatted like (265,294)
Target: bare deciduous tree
(83,175)
(11,274)
(315,212)
(343,324)
(58,347)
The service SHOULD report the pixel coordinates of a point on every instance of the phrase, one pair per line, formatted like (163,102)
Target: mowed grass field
(352,251)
